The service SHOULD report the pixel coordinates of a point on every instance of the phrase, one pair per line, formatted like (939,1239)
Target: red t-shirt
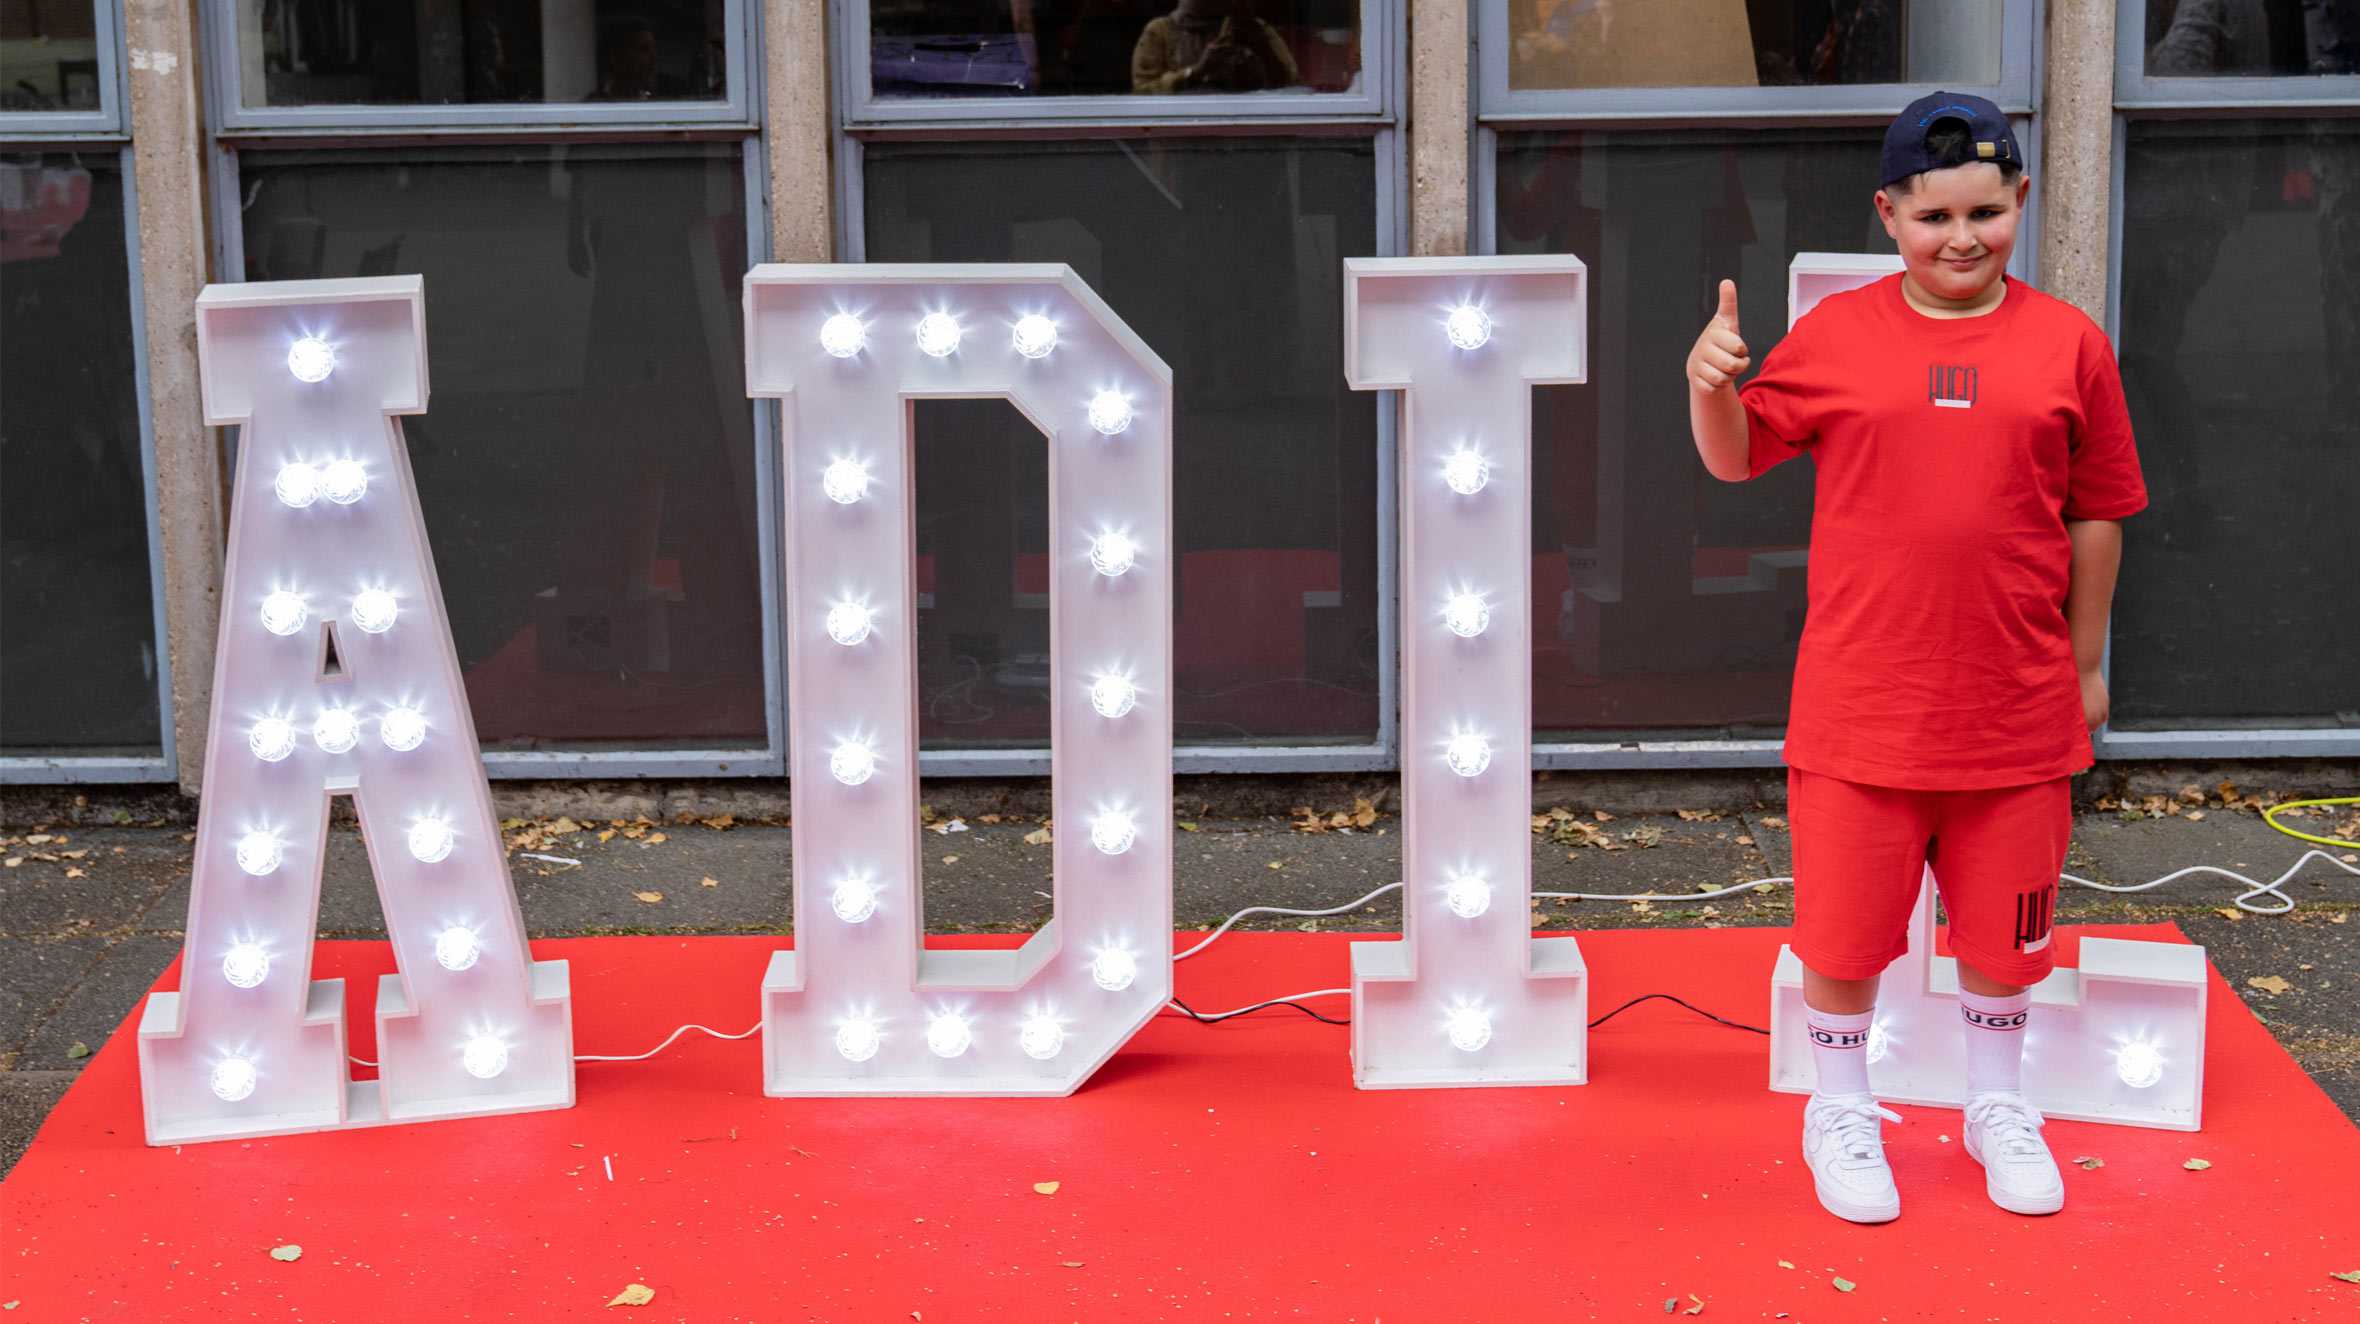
(1950,452)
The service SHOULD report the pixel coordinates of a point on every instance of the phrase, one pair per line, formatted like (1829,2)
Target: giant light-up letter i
(336,675)
(1467,996)
(860,1006)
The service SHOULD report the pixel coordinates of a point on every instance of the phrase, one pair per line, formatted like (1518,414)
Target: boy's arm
(2097,557)
(1716,417)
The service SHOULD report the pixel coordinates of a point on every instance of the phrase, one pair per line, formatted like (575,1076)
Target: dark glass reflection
(2240,326)
(48,55)
(75,591)
(1558,44)
(1668,602)
(442,52)
(587,462)
(2252,38)
(1225,257)
(970,48)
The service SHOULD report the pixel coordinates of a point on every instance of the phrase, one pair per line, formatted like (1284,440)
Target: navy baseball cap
(1905,138)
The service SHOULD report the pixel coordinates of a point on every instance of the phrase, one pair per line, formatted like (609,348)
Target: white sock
(1839,1046)
(1995,1041)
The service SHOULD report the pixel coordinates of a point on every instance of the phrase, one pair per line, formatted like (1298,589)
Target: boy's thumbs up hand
(1719,356)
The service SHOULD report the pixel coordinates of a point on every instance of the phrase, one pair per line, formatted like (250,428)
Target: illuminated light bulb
(844,481)
(1468,754)
(344,481)
(260,854)
(1113,831)
(938,335)
(233,1079)
(1468,326)
(1466,615)
(849,623)
(484,1056)
(1469,1028)
(1114,969)
(852,762)
(403,728)
(1113,695)
(283,613)
(298,485)
(2139,1063)
(246,966)
(857,1038)
(431,840)
(374,610)
(272,739)
(1110,413)
(336,731)
(1880,1042)
(1466,472)
(1113,554)
(1467,895)
(1041,1037)
(843,335)
(311,359)
(457,947)
(1035,336)
(949,1035)
(854,899)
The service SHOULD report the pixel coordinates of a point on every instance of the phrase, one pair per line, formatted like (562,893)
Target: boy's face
(1955,227)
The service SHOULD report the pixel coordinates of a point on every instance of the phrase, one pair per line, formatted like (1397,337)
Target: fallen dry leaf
(708,882)
(1187,827)
(75,873)
(2197,1164)
(1278,864)
(1038,837)
(2229,913)
(1773,822)
(1076,1264)
(637,1294)
(2090,1162)
(1786,1264)
(650,898)
(1696,1309)
(655,838)
(2271,984)
(286,1254)
(2352,1277)
(1046,1187)
(1844,1284)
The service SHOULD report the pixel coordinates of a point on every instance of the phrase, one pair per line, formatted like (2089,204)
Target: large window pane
(1559,44)
(74,588)
(1665,601)
(2252,38)
(2240,331)
(587,462)
(441,52)
(1225,256)
(48,55)
(1020,48)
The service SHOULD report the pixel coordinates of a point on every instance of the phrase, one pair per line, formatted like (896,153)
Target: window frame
(112,118)
(858,105)
(1591,107)
(231,129)
(107,131)
(861,119)
(1625,110)
(2138,98)
(232,117)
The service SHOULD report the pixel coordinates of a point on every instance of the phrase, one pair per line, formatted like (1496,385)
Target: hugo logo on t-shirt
(1951,385)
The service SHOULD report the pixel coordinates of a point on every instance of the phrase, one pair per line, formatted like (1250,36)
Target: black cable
(1202,1019)
(1644,997)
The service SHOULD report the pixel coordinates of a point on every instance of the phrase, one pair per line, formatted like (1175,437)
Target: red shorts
(1860,850)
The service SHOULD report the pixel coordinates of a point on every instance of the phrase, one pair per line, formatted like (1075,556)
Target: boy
(1973,455)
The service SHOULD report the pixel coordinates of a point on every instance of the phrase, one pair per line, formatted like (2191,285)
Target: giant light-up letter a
(2118,1039)
(860,1006)
(336,676)
(1468,996)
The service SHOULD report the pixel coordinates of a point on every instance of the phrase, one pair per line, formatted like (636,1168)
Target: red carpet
(1209,1173)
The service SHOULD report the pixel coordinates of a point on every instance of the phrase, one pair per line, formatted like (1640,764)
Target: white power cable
(2252,888)
(1281,910)
(641,1057)
(1208,1017)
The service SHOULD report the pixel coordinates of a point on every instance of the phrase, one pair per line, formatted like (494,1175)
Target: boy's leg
(1999,856)
(1858,853)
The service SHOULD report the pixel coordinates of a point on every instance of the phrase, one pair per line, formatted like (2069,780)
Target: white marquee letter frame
(860,1006)
(336,675)
(2120,1039)
(1467,996)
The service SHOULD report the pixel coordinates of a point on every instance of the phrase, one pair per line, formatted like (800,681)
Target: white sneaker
(2003,1134)
(1845,1148)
